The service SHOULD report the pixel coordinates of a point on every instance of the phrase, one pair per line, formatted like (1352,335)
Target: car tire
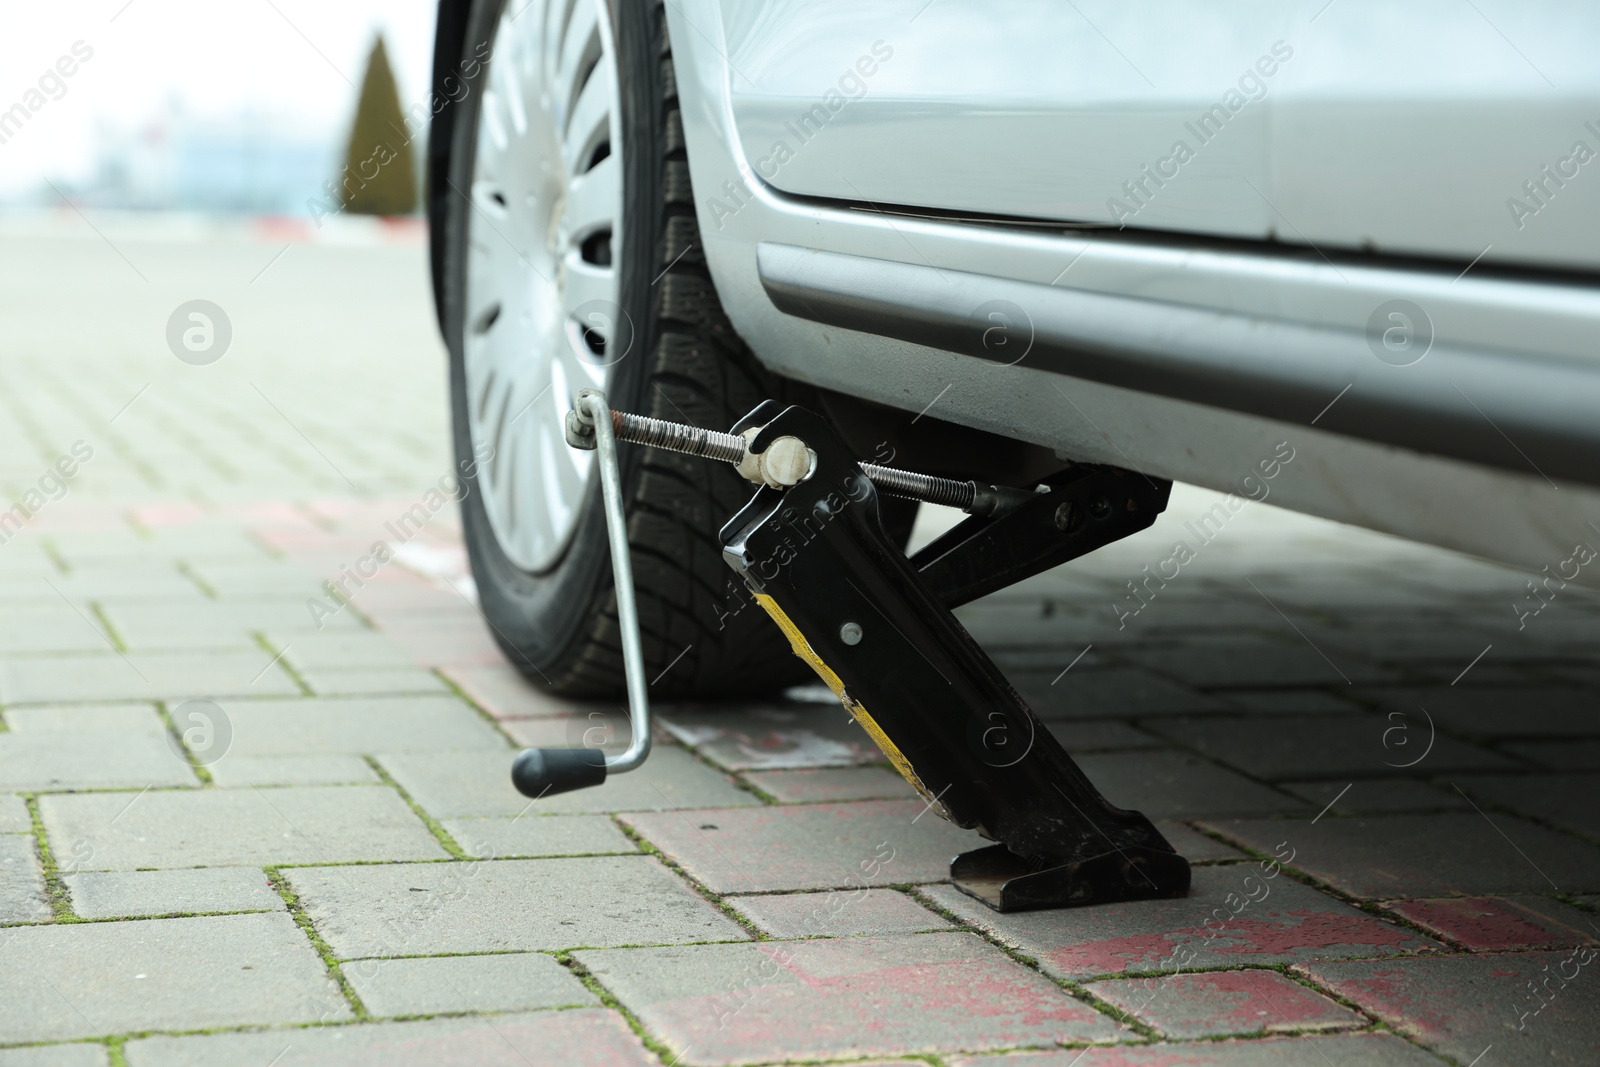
(670,353)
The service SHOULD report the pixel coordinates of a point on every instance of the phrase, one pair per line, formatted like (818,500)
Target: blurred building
(248,163)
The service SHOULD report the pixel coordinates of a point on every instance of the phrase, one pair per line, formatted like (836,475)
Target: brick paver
(169,627)
(505,693)
(811,846)
(1361,1050)
(1533,1008)
(22,892)
(342,847)
(227,827)
(1100,735)
(1560,755)
(1193,845)
(877,782)
(73,1055)
(1233,915)
(134,894)
(1500,924)
(479,784)
(1180,785)
(1086,692)
(538,835)
(14,816)
(1282,747)
(590,1037)
(246,771)
(1525,711)
(768,738)
(89,759)
(332,649)
(370,681)
(1378,796)
(504,906)
(1229,661)
(507,981)
(1428,855)
(1564,799)
(142,676)
(163,974)
(838,913)
(845,997)
(1289,701)
(86,718)
(357,725)
(1225,1003)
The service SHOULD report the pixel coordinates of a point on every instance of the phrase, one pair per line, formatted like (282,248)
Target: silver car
(1339,253)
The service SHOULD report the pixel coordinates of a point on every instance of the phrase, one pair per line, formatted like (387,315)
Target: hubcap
(545,230)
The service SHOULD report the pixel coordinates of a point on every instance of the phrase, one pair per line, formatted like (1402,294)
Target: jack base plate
(1008,882)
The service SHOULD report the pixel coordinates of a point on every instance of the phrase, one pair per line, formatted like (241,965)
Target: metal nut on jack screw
(786,462)
(1100,508)
(850,633)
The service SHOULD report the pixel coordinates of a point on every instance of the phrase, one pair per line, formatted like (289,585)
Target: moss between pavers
(1076,990)
(111,632)
(435,828)
(277,658)
(55,887)
(176,736)
(1083,994)
(297,910)
(756,791)
(1371,907)
(666,1055)
(48,547)
(713,898)
(183,568)
(483,712)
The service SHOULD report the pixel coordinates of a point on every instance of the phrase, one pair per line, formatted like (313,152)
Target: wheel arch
(444,92)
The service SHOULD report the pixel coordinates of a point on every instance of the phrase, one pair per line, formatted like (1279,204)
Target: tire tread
(702,372)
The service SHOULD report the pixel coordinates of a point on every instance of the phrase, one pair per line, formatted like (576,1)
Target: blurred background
(154,153)
(193,107)
(159,153)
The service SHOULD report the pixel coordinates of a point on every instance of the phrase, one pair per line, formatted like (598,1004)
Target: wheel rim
(542,313)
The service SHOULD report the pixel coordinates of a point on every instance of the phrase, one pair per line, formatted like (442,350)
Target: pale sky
(285,57)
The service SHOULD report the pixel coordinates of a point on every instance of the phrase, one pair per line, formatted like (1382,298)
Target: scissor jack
(877,628)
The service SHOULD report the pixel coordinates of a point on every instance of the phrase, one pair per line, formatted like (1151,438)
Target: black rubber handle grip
(541,772)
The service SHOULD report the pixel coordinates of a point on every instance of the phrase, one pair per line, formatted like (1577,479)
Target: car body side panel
(1518,518)
(1402,128)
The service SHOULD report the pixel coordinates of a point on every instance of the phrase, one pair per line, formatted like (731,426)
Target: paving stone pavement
(1361,1050)
(1500,924)
(837,913)
(1225,1003)
(1427,855)
(579,1038)
(244,821)
(843,997)
(507,981)
(1530,1008)
(424,909)
(1234,914)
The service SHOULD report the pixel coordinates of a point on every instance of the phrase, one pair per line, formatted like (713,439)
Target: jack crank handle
(540,772)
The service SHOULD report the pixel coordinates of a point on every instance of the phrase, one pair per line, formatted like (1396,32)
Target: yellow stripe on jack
(803,649)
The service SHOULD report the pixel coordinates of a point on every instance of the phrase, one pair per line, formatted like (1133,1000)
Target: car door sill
(1513,410)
